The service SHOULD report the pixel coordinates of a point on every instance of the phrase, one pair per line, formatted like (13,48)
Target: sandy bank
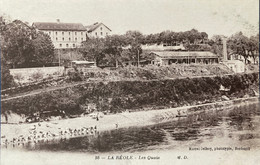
(108,122)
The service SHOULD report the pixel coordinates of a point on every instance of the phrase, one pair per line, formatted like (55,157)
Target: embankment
(136,95)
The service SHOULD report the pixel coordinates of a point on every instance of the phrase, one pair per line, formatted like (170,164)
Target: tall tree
(43,49)
(7,80)
(238,43)
(93,50)
(113,48)
(18,47)
(253,46)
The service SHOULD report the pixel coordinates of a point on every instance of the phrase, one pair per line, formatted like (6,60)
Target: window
(56,33)
(56,39)
(101,33)
(69,33)
(81,39)
(96,33)
(75,33)
(69,39)
(100,28)
(63,39)
(49,33)
(81,33)
(73,45)
(107,33)
(67,45)
(76,38)
(60,45)
(62,33)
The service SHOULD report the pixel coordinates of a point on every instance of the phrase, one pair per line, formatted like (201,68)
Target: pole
(59,60)
(138,58)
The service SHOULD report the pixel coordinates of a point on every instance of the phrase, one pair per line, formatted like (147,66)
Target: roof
(171,54)
(59,26)
(91,28)
(83,62)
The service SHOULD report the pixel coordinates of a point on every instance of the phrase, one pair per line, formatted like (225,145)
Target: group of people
(36,135)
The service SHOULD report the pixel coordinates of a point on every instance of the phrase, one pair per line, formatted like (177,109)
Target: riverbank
(115,121)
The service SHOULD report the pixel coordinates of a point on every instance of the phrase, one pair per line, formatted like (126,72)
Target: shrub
(36,76)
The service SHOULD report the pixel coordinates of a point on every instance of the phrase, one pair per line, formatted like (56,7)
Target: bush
(36,76)
(74,76)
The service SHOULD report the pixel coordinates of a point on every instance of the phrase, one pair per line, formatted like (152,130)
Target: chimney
(58,20)
(224,40)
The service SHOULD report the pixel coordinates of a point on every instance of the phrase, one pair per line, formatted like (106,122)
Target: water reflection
(237,124)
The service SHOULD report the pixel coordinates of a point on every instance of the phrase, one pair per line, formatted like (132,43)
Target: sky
(223,17)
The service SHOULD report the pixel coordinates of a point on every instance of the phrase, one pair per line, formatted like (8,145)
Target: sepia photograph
(129,82)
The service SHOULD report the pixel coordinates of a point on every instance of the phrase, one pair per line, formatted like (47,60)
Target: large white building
(63,35)
(98,30)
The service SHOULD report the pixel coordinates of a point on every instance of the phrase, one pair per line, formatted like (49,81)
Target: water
(239,126)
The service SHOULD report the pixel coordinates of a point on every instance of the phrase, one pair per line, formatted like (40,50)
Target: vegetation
(22,46)
(7,79)
(242,45)
(135,95)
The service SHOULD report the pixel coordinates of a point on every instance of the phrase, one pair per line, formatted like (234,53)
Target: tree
(43,49)
(133,36)
(253,46)
(22,46)
(113,48)
(17,46)
(238,43)
(7,79)
(93,50)
(217,45)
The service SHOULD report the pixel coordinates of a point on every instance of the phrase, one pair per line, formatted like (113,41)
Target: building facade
(179,57)
(63,35)
(98,30)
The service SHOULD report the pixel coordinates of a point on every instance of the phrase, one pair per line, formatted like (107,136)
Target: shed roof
(59,26)
(83,62)
(172,54)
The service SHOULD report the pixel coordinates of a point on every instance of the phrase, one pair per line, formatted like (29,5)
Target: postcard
(130,82)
